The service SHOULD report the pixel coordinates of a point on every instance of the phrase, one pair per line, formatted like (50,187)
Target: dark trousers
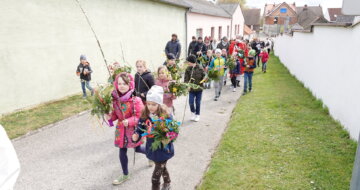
(124,159)
(233,81)
(160,170)
(195,101)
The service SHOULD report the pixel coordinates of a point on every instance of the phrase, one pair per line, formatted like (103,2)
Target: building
(237,18)
(282,17)
(42,42)
(216,20)
(334,13)
(252,18)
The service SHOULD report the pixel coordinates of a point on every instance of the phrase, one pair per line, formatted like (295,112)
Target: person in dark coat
(192,45)
(200,48)
(144,80)
(173,46)
(194,73)
(224,44)
(84,71)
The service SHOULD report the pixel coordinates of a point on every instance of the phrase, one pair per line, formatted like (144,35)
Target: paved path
(78,154)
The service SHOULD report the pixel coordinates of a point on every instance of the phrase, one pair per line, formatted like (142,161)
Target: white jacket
(9,163)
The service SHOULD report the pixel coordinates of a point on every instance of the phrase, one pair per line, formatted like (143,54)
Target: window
(199,32)
(228,31)
(220,32)
(212,32)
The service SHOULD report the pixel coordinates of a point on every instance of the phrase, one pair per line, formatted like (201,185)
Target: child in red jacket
(264,58)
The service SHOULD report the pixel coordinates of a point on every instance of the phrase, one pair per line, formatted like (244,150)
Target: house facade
(216,20)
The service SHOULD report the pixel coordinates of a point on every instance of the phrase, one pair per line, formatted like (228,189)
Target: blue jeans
(248,79)
(87,84)
(264,66)
(195,97)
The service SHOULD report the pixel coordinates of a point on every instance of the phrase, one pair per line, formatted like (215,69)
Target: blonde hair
(141,62)
(167,73)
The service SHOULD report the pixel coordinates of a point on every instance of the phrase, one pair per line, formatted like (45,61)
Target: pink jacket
(168,97)
(128,108)
(264,57)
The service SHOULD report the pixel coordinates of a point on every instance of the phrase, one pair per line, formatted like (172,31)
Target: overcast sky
(324,3)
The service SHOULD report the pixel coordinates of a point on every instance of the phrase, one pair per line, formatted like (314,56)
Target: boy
(84,71)
(249,65)
(218,63)
(194,74)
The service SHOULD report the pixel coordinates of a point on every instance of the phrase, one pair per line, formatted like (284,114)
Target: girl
(235,72)
(163,81)
(144,80)
(154,109)
(127,110)
(264,58)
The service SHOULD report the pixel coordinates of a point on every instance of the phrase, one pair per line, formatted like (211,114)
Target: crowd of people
(137,100)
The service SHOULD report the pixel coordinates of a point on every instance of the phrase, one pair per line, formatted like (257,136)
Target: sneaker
(192,116)
(244,93)
(234,89)
(197,118)
(216,98)
(225,83)
(250,90)
(150,163)
(84,97)
(121,179)
(166,186)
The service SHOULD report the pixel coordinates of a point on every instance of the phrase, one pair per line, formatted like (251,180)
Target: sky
(324,3)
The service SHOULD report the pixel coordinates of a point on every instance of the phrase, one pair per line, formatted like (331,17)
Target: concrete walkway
(79,154)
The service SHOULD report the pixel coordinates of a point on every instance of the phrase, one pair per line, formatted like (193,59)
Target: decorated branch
(116,68)
(163,131)
(102,102)
(180,88)
(174,71)
(230,62)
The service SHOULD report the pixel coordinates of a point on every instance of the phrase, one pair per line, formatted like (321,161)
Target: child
(127,110)
(218,64)
(163,81)
(154,109)
(264,58)
(144,80)
(208,58)
(249,65)
(172,67)
(194,74)
(224,55)
(234,73)
(84,71)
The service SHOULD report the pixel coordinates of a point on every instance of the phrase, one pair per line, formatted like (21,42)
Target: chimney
(294,4)
(305,7)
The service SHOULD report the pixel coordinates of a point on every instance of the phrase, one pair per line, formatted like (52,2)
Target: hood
(116,93)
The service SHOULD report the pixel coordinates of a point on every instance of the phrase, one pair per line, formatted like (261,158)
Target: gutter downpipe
(186,32)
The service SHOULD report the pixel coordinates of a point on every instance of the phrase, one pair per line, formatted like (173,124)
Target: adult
(173,46)
(207,43)
(224,44)
(192,45)
(213,43)
(200,48)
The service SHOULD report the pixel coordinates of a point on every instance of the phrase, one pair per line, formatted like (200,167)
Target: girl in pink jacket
(264,59)
(163,80)
(126,110)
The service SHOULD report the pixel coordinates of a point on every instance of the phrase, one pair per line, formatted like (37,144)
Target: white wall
(327,62)
(238,19)
(41,41)
(205,22)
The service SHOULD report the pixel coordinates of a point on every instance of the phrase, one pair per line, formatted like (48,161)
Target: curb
(30,133)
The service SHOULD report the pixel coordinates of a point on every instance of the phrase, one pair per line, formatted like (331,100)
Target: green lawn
(19,123)
(281,137)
